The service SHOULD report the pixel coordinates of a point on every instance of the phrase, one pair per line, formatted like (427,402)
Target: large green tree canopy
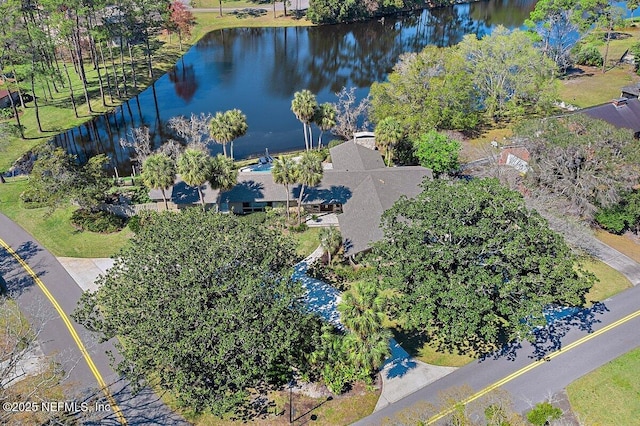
(500,75)
(427,90)
(203,301)
(471,265)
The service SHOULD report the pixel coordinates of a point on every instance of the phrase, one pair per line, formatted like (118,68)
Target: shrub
(589,55)
(98,221)
(614,219)
(299,228)
(32,199)
(255,218)
(335,142)
(6,113)
(134,223)
(543,413)
(635,51)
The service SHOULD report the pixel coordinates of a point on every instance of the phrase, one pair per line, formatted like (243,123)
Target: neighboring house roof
(632,91)
(516,157)
(622,113)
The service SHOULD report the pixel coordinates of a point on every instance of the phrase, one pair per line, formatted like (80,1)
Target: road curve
(532,372)
(53,283)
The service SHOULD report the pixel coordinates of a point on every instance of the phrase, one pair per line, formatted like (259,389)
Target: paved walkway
(618,261)
(401,374)
(85,271)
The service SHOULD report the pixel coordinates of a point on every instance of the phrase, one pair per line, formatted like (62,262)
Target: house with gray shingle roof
(622,113)
(359,188)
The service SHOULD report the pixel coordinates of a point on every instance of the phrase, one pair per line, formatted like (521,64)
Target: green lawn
(54,231)
(609,395)
(214,4)
(610,282)
(307,241)
(594,87)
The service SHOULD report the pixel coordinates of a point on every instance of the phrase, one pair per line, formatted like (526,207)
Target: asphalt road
(539,370)
(56,339)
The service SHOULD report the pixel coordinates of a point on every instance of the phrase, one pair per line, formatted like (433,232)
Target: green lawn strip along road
(610,394)
(54,229)
(531,373)
(58,295)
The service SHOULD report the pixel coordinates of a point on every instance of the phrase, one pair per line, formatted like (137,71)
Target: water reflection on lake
(259,69)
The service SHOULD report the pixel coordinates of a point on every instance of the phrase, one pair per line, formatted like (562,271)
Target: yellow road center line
(533,365)
(74,334)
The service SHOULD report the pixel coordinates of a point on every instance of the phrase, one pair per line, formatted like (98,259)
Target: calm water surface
(259,69)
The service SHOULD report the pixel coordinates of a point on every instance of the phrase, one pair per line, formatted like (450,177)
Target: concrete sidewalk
(84,271)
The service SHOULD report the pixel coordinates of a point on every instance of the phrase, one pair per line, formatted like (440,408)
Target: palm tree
(237,123)
(220,131)
(194,166)
(388,133)
(368,353)
(285,172)
(159,172)
(224,175)
(309,174)
(325,119)
(362,309)
(330,240)
(304,106)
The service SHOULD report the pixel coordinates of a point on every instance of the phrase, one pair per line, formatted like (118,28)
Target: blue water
(257,70)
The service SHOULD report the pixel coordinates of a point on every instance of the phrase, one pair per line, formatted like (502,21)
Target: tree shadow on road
(549,339)
(14,278)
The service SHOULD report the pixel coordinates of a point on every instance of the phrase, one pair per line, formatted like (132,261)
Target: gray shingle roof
(181,193)
(625,116)
(350,156)
(359,181)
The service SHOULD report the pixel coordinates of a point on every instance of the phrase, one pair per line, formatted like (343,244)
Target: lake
(257,70)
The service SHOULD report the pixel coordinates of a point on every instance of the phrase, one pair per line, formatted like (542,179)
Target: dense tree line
(45,42)
(502,75)
(335,11)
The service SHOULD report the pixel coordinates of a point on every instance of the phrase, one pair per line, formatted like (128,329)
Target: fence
(128,210)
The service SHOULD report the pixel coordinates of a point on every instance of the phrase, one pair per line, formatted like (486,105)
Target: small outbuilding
(5,101)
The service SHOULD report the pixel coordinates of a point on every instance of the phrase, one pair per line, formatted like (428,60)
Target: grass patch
(54,231)
(623,243)
(307,241)
(340,410)
(479,146)
(610,282)
(609,395)
(215,4)
(426,350)
(594,87)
